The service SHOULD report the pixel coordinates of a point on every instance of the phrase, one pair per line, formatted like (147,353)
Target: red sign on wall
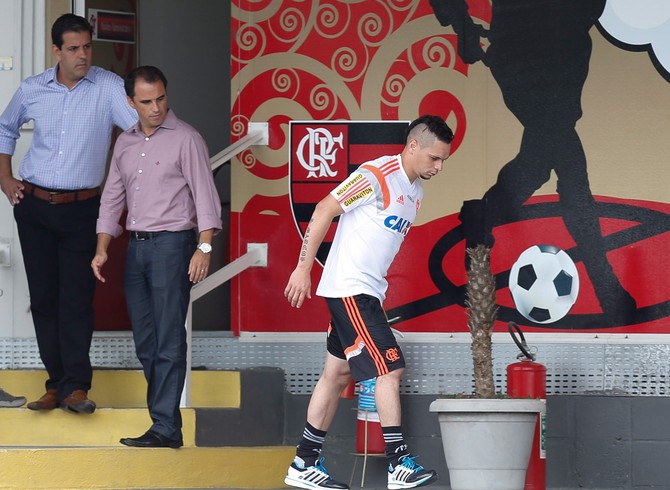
(118,27)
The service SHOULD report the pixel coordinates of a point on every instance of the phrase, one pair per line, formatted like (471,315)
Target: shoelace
(319,466)
(408,462)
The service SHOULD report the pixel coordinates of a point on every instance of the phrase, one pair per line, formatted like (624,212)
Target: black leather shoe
(151,439)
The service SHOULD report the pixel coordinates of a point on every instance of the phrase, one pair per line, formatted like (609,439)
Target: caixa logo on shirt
(396,223)
(323,153)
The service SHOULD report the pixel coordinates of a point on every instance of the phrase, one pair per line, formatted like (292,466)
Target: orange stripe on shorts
(362,331)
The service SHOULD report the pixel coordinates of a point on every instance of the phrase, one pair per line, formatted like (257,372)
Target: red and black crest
(323,153)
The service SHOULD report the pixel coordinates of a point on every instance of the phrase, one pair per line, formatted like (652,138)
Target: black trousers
(58,243)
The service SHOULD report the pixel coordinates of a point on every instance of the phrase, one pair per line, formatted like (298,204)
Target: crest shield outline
(323,153)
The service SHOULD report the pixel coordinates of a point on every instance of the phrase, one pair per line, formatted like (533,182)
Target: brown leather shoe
(49,401)
(78,402)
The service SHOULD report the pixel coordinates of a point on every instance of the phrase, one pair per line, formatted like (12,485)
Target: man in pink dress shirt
(160,173)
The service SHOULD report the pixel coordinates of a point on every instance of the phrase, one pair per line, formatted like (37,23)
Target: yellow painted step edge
(131,468)
(127,388)
(22,427)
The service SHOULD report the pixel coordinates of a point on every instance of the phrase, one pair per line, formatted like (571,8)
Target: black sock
(310,445)
(395,444)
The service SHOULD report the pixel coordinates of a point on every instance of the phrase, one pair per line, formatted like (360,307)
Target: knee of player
(339,378)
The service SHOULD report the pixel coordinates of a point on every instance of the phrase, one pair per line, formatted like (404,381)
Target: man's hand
(100,255)
(300,281)
(97,263)
(12,188)
(298,287)
(198,267)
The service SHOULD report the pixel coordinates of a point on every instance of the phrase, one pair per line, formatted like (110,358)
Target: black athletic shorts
(360,333)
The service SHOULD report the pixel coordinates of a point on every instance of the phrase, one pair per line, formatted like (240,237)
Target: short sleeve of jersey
(355,190)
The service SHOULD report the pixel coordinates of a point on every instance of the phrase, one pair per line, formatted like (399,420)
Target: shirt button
(146,139)
(144,154)
(133,221)
(137,188)
(139,171)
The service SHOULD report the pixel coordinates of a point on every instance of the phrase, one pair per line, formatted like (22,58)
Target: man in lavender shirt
(74,107)
(160,172)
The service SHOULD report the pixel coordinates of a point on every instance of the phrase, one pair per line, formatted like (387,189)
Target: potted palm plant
(486,438)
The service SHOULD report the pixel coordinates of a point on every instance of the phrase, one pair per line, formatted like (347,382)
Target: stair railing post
(256,256)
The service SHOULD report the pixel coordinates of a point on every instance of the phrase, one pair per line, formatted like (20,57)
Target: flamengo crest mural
(323,154)
(560,112)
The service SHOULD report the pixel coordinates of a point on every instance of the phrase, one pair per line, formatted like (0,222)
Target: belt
(144,235)
(60,197)
(148,235)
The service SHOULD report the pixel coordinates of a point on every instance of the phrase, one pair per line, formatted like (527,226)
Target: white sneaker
(409,474)
(312,477)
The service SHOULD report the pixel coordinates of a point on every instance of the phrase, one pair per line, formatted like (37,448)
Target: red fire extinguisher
(528,379)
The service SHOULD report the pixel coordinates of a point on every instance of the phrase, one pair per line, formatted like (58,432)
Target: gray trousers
(157,292)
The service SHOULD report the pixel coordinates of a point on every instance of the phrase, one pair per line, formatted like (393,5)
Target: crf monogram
(392,354)
(320,153)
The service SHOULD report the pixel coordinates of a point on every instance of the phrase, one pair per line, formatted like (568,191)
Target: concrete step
(132,468)
(57,428)
(232,435)
(127,388)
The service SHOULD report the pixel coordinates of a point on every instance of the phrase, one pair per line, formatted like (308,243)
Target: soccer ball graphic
(544,283)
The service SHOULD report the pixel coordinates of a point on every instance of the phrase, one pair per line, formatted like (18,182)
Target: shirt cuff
(113,229)
(7,146)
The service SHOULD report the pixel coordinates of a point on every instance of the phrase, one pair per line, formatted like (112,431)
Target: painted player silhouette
(539,54)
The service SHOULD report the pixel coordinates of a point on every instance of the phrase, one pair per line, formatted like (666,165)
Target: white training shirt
(380,205)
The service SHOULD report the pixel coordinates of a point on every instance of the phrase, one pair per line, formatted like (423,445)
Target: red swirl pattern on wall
(392,60)
(296,60)
(355,49)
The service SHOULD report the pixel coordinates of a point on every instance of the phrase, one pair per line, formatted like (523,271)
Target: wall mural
(559,108)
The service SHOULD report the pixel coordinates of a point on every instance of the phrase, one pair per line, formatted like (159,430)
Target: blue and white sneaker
(311,477)
(408,474)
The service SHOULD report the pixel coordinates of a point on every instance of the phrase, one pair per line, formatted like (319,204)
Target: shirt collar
(169,123)
(91,75)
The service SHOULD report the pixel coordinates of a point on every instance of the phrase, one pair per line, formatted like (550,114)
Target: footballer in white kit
(380,205)
(376,206)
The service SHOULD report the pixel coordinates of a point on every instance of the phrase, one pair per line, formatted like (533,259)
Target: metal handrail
(257,135)
(256,255)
